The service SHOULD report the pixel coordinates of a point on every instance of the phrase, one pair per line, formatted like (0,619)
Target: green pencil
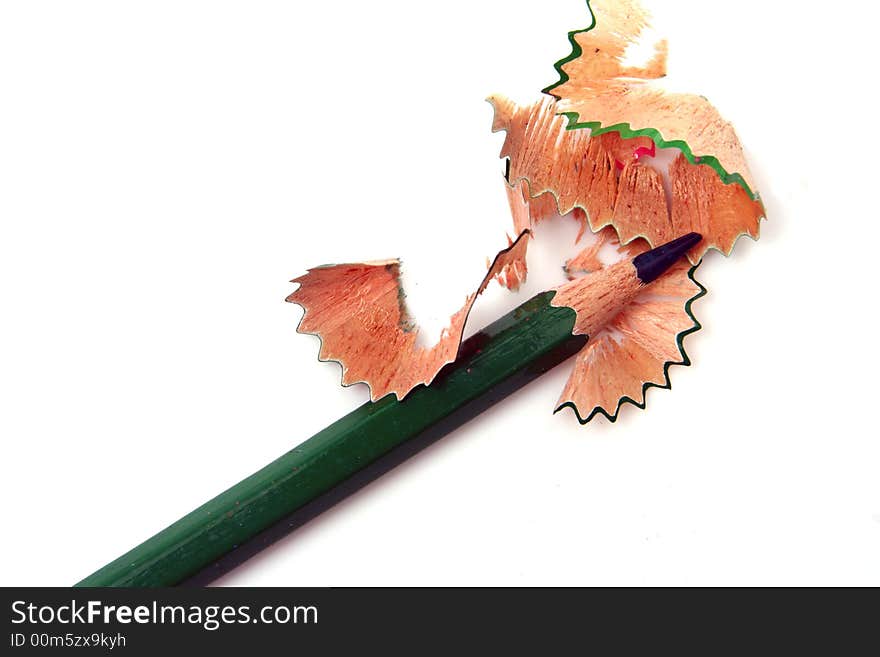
(358,448)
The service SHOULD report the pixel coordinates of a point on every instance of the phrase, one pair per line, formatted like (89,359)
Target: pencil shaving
(588,259)
(587,151)
(631,351)
(597,89)
(359,313)
(609,180)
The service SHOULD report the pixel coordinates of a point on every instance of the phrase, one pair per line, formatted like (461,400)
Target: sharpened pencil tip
(652,264)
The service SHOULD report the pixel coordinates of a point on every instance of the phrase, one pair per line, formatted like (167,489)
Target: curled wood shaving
(587,152)
(633,350)
(358,312)
(613,181)
(597,89)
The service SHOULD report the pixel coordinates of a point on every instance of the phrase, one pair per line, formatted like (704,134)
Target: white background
(167,167)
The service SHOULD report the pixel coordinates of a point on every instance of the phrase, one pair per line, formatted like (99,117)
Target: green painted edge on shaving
(625,130)
(685,361)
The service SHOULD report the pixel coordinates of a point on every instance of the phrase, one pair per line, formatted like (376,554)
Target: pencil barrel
(495,362)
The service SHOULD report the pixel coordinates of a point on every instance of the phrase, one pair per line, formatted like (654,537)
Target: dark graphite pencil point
(652,264)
